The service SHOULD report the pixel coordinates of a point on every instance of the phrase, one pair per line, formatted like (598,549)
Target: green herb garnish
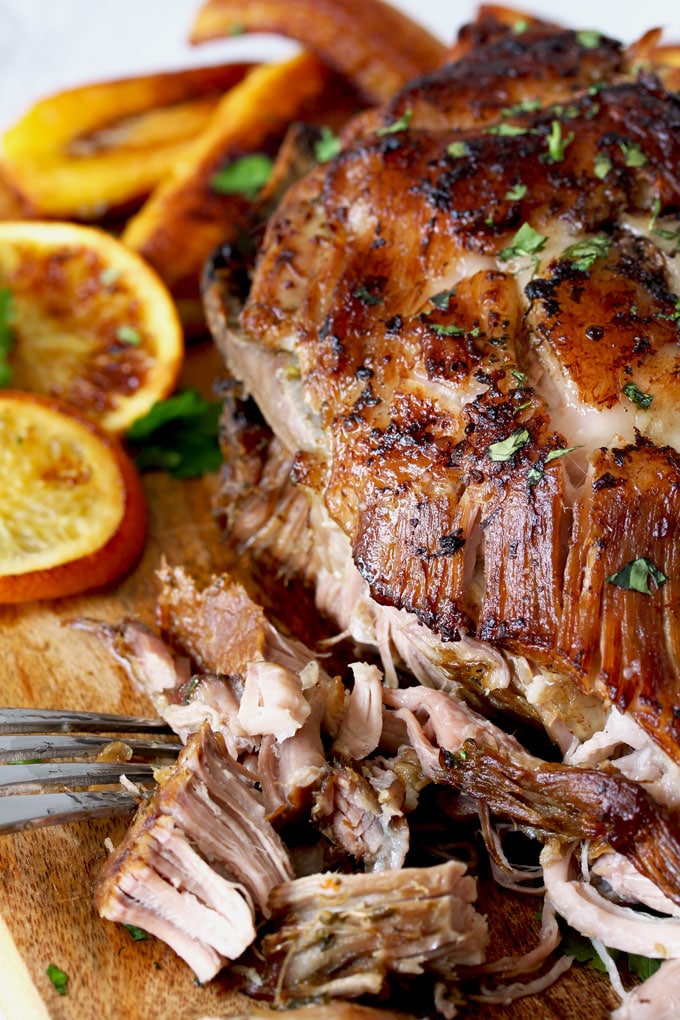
(128,335)
(6,335)
(398,125)
(520,26)
(366,296)
(556,454)
(516,192)
(556,143)
(634,393)
(603,165)
(245,176)
(442,299)
(584,253)
(135,933)
(521,377)
(636,575)
(327,146)
(506,448)
(58,977)
(178,435)
(454,330)
(526,243)
(457,149)
(588,38)
(525,106)
(632,154)
(508,130)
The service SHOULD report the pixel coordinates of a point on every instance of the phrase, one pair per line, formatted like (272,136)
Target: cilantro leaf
(588,38)
(442,299)
(636,575)
(526,242)
(6,335)
(367,296)
(556,454)
(399,125)
(632,154)
(603,165)
(508,130)
(557,143)
(178,435)
(245,176)
(327,146)
(506,448)
(525,106)
(634,393)
(451,330)
(135,933)
(58,977)
(516,192)
(457,149)
(584,253)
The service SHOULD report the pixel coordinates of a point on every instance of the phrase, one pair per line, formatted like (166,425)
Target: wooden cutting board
(46,876)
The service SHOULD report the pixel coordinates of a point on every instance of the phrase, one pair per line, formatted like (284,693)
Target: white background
(46,45)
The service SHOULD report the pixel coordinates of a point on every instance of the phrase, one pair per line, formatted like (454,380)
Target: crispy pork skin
(470,316)
(344,934)
(198,865)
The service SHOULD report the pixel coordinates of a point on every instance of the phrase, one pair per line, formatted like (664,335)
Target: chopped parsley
(527,242)
(634,393)
(584,253)
(135,933)
(326,146)
(6,335)
(245,176)
(178,435)
(603,165)
(442,299)
(129,335)
(366,296)
(506,448)
(521,377)
(398,125)
(636,575)
(557,144)
(520,26)
(588,38)
(58,977)
(556,454)
(508,130)
(457,149)
(516,192)
(536,471)
(632,154)
(454,330)
(525,106)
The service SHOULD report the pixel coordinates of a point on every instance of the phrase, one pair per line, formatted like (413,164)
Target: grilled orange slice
(73,512)
(91,322)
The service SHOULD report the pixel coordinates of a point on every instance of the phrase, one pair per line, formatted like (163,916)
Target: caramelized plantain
(377,47)
(84,152)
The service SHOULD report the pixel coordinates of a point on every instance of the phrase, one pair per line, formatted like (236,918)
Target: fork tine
(35,811)
(16,748)
(20,779)
(55,720)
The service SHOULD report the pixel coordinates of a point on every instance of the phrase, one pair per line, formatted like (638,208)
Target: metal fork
(37,741)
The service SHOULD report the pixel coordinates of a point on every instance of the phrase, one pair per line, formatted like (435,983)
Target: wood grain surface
(46,876)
